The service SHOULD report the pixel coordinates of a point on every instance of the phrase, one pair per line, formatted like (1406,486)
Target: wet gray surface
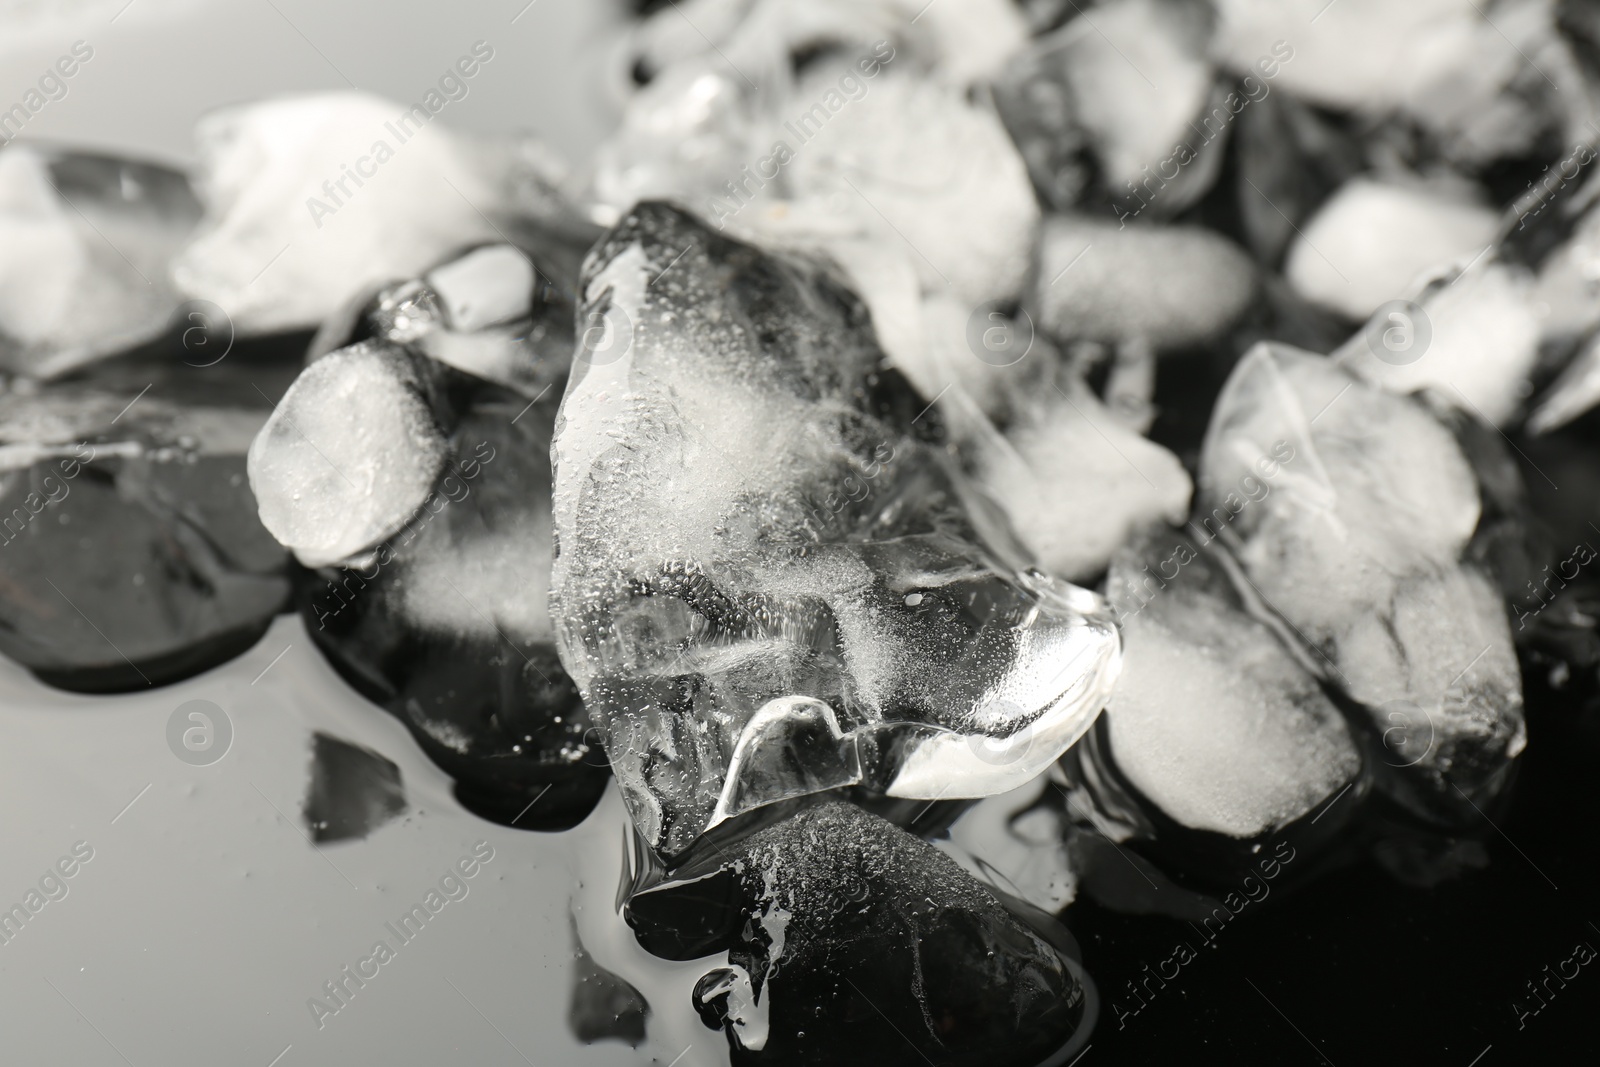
(205,921)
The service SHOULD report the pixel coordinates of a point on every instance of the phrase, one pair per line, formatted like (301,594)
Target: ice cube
(1359,546)
(913,164)
(744,516)
(1463,76)
(1213,721)
(1075,482)
(1372,240)
(85,244)
(1474,342)
(1172,286)
(1140,76)
(348,455)
(311,198)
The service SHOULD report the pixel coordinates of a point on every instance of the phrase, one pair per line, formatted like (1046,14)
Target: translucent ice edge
(925,761)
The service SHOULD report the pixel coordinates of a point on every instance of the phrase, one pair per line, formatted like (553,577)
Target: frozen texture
(1214,722)
(1076,482)
(281,251)
(1371,242)
(349,454)
(755,554)
(1479,347)
(85,243)
(1359,547)
(1172,286)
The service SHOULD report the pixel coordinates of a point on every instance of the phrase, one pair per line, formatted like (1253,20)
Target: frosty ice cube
(766,583)
(1359,549)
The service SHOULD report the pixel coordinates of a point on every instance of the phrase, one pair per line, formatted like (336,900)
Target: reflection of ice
(728,607)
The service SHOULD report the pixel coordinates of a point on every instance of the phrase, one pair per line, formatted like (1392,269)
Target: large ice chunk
(1359,548)
(765,584)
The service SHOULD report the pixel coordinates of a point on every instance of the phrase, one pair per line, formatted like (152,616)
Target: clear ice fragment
(744,514)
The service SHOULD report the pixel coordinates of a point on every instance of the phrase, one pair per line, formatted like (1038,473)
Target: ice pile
(766,585)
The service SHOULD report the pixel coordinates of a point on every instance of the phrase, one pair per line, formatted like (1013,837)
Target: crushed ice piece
(85,244)
(352,792)
(1359,548)
(1138,73)
(1172,286)
(1075,482)
(915,165)
(490,313)
(962,42)
(1466,77)
(741,510)
(848,939)
(1371,242)
(1475,343)
(311,198)
(486,287)
(348,455)
(1213,721)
